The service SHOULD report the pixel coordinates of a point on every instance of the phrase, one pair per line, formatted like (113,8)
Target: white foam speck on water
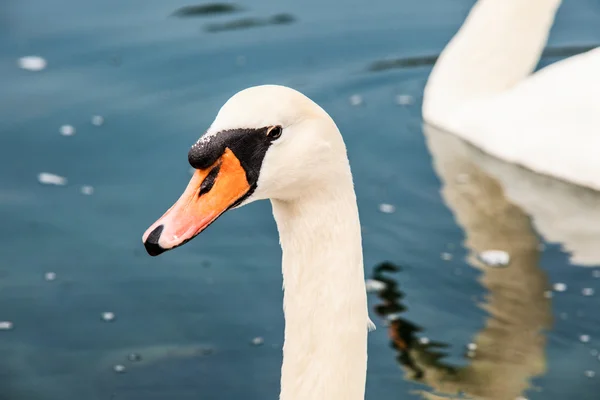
(587,291)
(67,130)
(590,373)
(47,178)
(119,368)
(446,256)
(108,316)
(472,346)
(87,190)
(495,258)
(404,99)
(32,63)
(560,287)
(97,120)
(50,276)
(356,100)
(6,325)
(393,316)
(387,208)
(584,338)
(257,341)
(424,340)
(374,285)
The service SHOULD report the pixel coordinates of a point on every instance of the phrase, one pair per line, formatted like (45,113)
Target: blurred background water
(85,313)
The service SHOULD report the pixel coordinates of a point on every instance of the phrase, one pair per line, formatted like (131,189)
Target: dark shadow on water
(247,23)
(207,9)
(429,60)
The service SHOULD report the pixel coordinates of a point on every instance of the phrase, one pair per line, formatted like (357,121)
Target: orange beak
(210,193)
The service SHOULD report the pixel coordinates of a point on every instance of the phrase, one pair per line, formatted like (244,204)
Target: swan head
(266,142)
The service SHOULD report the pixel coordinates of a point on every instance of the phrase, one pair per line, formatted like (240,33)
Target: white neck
(325,303)
(499,44)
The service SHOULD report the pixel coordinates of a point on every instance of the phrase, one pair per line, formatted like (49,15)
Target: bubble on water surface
(32,63)
(404,99)
(6,325)
(119,368)
(108,316)
(393,316)
(374,285)
(87,190)
(257,341)
(587,291)
(560,287)
(67,130)
(50,276)
(97,120)
(387,208)
(495,258)
(356,100)
(47,178)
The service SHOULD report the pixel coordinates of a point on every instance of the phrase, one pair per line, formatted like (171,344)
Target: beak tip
(153,248)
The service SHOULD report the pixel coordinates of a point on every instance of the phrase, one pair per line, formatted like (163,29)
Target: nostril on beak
(151,243)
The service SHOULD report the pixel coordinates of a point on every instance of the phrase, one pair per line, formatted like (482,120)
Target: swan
(272,142)
(482,89)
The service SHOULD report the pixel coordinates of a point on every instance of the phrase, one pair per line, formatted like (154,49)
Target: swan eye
(274,132)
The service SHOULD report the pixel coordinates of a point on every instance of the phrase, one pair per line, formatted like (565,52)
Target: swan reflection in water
(510,348)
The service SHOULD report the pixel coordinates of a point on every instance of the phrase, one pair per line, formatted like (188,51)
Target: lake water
(184,322)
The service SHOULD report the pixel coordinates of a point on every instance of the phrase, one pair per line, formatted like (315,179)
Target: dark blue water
(191,314)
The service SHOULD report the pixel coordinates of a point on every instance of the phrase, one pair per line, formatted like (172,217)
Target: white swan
(271,142)
(482,90)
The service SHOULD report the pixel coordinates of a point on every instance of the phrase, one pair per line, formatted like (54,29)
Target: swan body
(272,142)
(482,89)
